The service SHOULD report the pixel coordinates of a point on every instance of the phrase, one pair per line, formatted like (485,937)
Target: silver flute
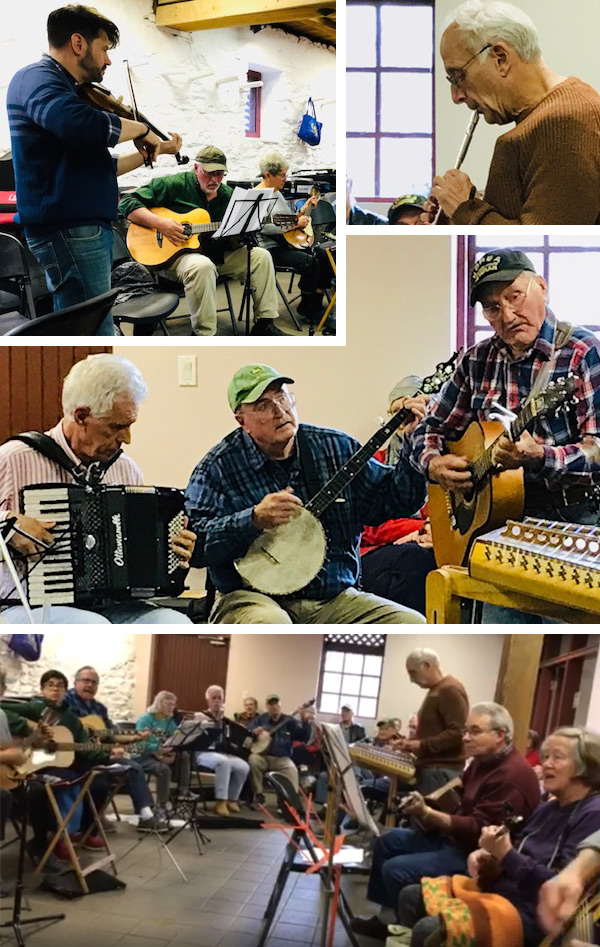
(462,154)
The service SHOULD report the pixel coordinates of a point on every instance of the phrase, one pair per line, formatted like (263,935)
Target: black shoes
(265,327)
(369,927)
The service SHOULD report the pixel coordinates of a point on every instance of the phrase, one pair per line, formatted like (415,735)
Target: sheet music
(241,209)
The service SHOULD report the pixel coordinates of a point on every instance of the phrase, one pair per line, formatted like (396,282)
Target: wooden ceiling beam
(219,14)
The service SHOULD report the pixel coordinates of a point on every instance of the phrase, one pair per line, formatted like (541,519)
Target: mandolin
(150,247)
(497,494)
(285,559)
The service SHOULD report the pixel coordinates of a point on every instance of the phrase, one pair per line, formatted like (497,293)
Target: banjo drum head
(285,559)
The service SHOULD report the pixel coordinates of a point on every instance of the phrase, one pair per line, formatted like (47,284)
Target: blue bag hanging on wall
(28,647)
(310,128)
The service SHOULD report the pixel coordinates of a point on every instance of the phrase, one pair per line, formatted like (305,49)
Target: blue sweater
(65,176)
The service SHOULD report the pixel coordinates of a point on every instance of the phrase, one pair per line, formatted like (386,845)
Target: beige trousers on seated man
(350,607)
(261,764)
(199,277)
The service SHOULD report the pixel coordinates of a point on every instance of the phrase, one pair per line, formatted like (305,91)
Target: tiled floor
(220,906)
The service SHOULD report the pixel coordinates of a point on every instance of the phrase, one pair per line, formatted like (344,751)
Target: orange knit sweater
(546,170)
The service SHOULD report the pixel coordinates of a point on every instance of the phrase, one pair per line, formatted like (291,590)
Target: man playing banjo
(259,478)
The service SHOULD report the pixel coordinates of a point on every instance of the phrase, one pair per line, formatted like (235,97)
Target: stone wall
(113,656)
(190,83)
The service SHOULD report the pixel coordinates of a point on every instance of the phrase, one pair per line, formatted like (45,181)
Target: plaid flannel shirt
(235,475)
(87,708)
(487,374)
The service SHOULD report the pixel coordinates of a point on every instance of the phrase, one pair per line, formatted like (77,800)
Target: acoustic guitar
(98,730)
(497,494)
(285,559)
(59,751)
(262,742)
(154,250)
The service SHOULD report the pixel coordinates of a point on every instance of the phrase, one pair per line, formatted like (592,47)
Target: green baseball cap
(498,266)
(414,201)
(212,159)
(273,699)
(249,382)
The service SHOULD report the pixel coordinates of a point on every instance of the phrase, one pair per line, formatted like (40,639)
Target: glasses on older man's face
(458,75)
(267,407)
(513,299)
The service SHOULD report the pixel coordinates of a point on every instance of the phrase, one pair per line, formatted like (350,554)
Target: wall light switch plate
(188,371)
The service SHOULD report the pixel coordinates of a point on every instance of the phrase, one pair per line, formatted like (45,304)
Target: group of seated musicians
(68,204)
(261,475)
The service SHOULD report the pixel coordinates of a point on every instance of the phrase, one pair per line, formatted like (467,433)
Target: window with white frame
(390,97)
(351,669)
(565,264)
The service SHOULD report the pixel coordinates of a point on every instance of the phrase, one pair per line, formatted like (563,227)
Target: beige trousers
(350,607)
(261,764)
(199,277)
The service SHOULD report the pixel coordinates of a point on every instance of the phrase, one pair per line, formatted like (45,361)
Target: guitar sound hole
(187,229)
(464,511)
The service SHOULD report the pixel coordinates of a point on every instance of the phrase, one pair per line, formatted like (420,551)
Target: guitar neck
(213,225)
(352,467)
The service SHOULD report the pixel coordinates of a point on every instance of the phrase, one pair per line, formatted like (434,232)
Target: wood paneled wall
(187,665)
(31,378)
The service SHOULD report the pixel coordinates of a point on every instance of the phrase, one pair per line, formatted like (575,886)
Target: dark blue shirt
(65,176)
(289,731)
(235,475)
(87,708)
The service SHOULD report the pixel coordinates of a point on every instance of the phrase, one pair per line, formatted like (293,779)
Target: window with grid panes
(390,105)
(565,263)
(351,668)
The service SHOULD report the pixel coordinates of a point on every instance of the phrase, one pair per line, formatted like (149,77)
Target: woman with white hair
(547,842)
(545,170)
(156,725)
(313,265)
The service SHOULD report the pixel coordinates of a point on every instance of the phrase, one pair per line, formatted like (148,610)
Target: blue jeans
(403,856)
(77,262)
(124,613)
(231,773)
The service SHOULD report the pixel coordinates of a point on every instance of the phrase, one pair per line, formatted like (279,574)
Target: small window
(252,111)
(351,668)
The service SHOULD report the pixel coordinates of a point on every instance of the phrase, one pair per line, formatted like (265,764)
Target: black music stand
(244,218)
(16,921)
(191,737)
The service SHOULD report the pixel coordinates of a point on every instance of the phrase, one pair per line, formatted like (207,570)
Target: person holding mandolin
(283,730)
(259,478)
(66,178)
(187,191)
(293,247)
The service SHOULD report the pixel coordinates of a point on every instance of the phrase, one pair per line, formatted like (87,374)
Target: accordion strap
(83,475)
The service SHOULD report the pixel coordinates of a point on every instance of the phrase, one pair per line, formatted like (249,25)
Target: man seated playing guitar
(204,188)
(316,273)
(528,351)
(258,478)
(81,698)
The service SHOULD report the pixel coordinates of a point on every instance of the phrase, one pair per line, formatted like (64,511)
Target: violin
(101,98)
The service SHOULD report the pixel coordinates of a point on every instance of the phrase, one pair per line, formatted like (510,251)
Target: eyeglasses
(88,680)
(214,174)
(55,686)
(513,300)
(266,406)
(475,731)
(458,78)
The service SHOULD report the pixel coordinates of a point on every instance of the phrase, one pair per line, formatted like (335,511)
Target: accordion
(110,543)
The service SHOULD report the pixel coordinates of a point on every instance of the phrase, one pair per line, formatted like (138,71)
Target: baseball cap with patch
(414,201)
(388,722)
(212,159)
(249,382)
(498,266)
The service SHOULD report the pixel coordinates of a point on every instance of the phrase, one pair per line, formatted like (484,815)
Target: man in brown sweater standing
(438,744)
(498,779)
(545,170)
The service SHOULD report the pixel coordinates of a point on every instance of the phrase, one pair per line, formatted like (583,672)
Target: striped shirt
(487,374)
(235,476)
(22,466)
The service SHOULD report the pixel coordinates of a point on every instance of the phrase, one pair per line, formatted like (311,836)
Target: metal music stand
(244,218)
(16,922)
(191,737)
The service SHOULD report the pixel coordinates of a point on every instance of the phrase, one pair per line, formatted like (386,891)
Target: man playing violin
(66,178)
(204,188)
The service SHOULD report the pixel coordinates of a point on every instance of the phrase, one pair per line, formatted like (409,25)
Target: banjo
(285,559)
(262,742)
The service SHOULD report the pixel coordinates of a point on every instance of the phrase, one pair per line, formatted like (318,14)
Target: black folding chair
(82,319)
(146,312)
(16,299)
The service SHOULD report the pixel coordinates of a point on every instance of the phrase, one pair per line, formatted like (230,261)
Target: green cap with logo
(498,266)
(249,382)
(212,159)
(415,201)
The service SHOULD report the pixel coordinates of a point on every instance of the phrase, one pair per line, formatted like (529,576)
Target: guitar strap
(562,335)
(47,446)
(308,467)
